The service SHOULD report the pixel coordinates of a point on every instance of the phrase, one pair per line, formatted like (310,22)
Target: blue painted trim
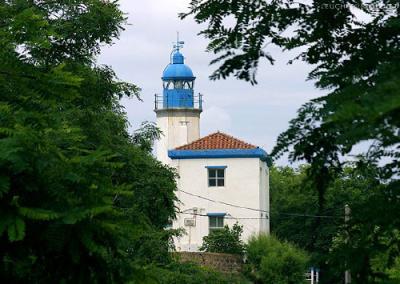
(219,153)
(216,167)
(178,98)
(216,214)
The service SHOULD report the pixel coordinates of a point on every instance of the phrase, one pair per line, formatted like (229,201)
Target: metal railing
(182,103)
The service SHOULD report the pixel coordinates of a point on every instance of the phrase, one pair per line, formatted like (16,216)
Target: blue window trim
(216,167)
(216,214)
(219,153)
(217,178)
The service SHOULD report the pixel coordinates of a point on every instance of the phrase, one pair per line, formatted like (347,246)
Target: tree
(368,242)
(355,48)
(293,205)
(224,240)
(394,272)
(355,58)
(78,194)
(272,261)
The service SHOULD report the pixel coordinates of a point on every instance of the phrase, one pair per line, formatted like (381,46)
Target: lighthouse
(222,180)
(178,109)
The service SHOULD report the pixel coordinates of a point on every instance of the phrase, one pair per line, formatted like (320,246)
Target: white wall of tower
(179,127)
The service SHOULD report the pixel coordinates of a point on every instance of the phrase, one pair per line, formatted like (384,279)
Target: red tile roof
(217,140)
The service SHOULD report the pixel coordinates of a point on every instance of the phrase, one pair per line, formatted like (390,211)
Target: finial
(179,44)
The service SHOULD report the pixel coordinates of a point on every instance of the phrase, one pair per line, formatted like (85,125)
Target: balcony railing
(164,102)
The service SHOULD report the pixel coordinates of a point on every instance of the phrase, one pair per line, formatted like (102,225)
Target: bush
(225,240)
(272,261)
(189,273)
(394,271)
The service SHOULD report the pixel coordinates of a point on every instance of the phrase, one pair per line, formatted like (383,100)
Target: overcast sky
(256,114)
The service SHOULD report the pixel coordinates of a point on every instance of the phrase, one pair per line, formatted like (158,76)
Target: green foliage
(367,245)
(176,273)
(370,242)
(78,194)
(225,240)
(272,261)
(356,59)
(146,135)
(290,193)
(336,40)
(355,51)
(394,271)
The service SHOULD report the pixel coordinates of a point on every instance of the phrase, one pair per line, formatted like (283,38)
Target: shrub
(225,240)
(394,271)
(272,261)
(189,273)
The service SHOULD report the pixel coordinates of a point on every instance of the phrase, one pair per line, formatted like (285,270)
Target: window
(168,226)
(168,85)
(215,223)
(216,177)
(178,84)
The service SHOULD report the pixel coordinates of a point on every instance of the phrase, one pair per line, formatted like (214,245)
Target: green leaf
(16,231)
(4,185)
(38,214)
(4,222)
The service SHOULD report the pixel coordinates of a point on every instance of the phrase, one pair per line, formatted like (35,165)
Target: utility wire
(259,210)
(225,217)
(224,203)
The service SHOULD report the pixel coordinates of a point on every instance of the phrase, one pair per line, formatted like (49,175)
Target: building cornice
(219,153)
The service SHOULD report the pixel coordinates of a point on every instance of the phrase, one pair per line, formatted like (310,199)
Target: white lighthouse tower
(178,108)
(221,180)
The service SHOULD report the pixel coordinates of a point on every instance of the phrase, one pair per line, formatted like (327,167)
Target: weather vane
(179,44)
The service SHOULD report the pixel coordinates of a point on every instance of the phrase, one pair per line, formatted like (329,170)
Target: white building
(222,180)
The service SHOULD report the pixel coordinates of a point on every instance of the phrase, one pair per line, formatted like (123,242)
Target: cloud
(215,119)
(257,114)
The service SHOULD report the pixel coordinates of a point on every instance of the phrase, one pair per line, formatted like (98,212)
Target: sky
(256,114)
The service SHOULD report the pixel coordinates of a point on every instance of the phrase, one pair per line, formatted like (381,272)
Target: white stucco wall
(179,127)
(264,196)
(246,184)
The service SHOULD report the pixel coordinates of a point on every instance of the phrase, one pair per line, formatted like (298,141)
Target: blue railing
(164,102)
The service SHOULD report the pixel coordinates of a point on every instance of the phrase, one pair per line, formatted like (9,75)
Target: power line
(259,210)
(224,203)
(226,217)
(309,215)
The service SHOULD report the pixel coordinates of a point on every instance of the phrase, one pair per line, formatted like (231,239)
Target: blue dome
(177,70)
(178,58)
